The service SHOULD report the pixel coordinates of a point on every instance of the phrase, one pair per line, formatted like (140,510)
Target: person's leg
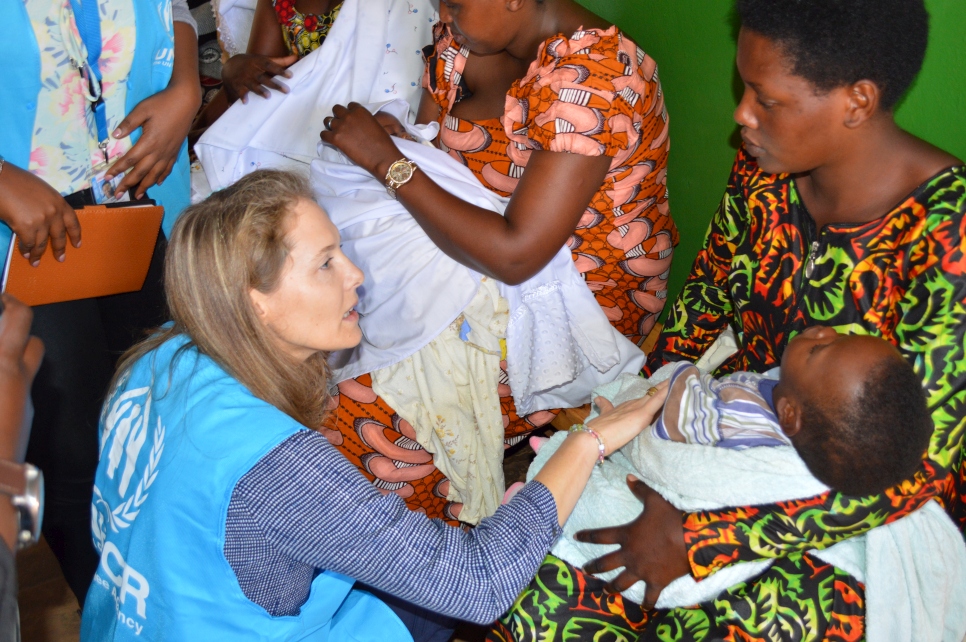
(369,433)
(67,395)
(798,598)
(562,603)
(127,317)
(423,625)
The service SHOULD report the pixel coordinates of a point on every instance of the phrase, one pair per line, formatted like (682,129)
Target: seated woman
(834,216)
(219,515)
(576,137)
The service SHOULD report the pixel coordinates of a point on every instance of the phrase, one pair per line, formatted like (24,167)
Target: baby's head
(854,410)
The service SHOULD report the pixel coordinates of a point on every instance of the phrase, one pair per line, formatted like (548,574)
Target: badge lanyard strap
(87,17)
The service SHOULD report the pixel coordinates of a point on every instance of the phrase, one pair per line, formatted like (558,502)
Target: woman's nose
(354,277)
(744,115)
(444,15)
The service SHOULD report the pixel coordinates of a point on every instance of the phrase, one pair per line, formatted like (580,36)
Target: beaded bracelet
(600,441)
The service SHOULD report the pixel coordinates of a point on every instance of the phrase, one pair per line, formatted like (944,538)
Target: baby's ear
(789,416)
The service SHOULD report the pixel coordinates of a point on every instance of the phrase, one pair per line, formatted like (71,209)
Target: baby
(850,405)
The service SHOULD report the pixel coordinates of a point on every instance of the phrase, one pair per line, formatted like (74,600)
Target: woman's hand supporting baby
(651,547)
(567,472)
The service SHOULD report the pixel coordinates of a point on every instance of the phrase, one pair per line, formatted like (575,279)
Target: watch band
(24,483)
(13,478)
(399,173)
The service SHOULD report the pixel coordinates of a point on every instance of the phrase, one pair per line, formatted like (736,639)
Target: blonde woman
(220,515)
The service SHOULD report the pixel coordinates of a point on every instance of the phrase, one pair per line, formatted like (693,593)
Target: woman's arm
(543,211)
(304,497)
(164,119)
(703,309)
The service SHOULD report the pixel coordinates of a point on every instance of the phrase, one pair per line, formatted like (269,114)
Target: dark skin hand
(36,212)
(20,357)
(651,547)
(267,55)
(543,211)
(164,119)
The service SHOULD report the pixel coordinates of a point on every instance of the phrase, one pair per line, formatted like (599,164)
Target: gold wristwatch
(24,484)
(399,174)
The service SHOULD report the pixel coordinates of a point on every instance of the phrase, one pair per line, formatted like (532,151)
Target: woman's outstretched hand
(245,73)
(36,212)
(617,425)
(362,137)
(651,547)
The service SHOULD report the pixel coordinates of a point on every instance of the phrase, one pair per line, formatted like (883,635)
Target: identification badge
(106,191)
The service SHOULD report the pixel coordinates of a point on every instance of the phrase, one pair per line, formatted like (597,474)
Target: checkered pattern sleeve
(304,507)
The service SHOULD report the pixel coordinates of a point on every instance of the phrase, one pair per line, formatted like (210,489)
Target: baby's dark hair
(832,43)
(873,443)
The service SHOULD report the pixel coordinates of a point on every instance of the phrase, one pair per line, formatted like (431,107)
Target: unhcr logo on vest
(127,426)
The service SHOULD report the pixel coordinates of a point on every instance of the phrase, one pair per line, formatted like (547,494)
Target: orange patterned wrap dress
(594,93)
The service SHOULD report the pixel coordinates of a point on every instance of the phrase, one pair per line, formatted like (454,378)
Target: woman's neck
(876,170)
(542,20)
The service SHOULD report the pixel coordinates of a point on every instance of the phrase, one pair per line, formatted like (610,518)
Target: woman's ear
(789,416)
(258,303)
(864,97)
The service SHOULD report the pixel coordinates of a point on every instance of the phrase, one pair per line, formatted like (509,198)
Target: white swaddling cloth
(914,568)
(560,345)
(372,53)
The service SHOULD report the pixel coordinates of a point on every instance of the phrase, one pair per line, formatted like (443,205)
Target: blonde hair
(220,249)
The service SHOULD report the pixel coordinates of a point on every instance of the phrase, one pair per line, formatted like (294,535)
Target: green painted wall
(693,43)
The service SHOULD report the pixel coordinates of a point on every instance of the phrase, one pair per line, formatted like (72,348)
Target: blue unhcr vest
(175,439)
(151,70)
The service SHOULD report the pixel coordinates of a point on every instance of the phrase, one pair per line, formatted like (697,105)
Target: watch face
(400,172)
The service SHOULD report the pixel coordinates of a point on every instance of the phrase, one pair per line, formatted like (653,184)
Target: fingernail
(117,133)
(35,263)
(60,259)
(26,255)
(78,243)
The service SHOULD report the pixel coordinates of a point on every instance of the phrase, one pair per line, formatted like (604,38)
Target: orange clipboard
(114,256)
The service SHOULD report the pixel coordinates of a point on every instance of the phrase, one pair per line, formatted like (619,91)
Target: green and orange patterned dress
(767,271)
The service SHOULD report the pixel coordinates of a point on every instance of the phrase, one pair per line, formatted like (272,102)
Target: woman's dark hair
(832,43)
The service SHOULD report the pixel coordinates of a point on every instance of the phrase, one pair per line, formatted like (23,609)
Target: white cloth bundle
(372,53)
(914,569)
(560,344)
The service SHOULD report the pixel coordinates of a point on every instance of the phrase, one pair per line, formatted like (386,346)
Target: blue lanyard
(87,16)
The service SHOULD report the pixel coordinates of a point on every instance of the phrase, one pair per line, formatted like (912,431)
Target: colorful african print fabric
(303,32)
(800,599)
(622,245)
(594,93)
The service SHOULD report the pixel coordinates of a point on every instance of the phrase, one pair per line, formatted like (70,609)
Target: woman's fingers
(279,66)
(603,404)
(72,224)
(135,119)
(610,535)
(621,583)
(605,563)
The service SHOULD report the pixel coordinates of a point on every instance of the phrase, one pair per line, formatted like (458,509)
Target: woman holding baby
(833,216)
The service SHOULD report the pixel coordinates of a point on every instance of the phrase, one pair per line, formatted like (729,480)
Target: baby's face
(822,365)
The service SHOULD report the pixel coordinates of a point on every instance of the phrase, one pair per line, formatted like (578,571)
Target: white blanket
(560,344)
(914,569)
(372,53)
